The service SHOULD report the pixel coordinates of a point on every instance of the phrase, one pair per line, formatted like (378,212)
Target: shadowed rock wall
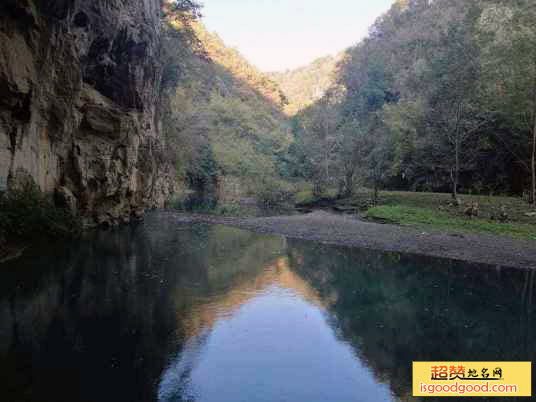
(79,93)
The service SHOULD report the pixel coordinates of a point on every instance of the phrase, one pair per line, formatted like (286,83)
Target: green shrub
(319,189)
(228,209)
(28,215)
(272,192)
(194,203)
(308,193)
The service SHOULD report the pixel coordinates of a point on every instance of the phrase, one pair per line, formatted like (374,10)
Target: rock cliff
(79,94)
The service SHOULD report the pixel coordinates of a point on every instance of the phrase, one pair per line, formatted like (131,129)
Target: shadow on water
(161,311)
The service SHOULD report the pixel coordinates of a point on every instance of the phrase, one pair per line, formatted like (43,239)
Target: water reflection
(269,338)
(213,204)
(170,312)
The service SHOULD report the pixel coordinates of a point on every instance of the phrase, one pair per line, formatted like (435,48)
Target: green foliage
(246,139)
(178,39)
(223,117)
(27,215)
(194,203)
(271,192)
(307,194)
(440,95)
(509,65)
(202,174)
(184,9)
(305,85)
(248,80)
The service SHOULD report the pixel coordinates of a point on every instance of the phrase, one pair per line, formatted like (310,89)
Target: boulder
(64,198)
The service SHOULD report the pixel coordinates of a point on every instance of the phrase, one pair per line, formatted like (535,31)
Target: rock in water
(79,93)
(66,199)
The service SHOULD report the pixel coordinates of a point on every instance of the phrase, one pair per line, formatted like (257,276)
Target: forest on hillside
(441,96)
(223,118)
(306,85)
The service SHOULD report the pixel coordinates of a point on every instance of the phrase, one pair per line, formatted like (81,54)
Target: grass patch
(489,205)
(431,211)
(426,218)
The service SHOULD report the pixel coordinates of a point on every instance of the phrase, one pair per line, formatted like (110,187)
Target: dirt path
(330,228)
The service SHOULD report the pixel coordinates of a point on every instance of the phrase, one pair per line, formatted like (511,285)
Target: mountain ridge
(306,84)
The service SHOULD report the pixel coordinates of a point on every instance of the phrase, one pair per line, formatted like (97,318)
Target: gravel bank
(336,229)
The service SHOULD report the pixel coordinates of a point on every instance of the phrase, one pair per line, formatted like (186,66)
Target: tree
(368,84)
(449,82)
(510,64)
(322,140)
(406,124)
(349,156)
(220,115)
(179,40)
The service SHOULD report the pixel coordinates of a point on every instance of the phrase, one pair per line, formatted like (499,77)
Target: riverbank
(336,229)
(476,214)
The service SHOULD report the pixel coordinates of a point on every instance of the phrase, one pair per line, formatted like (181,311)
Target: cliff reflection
(273,281)
(204,314)
(97,319)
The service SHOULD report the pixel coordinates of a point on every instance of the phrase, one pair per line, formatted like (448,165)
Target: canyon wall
(79,95)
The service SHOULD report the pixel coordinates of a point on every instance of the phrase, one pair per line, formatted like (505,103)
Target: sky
(278,34)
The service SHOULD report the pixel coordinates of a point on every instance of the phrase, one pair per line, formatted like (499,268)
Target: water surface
(162,311)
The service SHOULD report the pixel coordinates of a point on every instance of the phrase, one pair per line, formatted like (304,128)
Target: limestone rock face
(79,95)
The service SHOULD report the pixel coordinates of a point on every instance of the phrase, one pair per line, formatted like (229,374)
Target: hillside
(439,97)
(305,85)
(244,73)
(224,118)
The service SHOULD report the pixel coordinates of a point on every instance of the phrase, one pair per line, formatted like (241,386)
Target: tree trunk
(349,184)
(532,198)
(327,166)
(326,144)
(456,170)
(456,175)
(376,191)
(532,195)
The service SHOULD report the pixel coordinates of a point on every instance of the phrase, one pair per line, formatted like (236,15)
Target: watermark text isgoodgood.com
(472,379)
(462,389)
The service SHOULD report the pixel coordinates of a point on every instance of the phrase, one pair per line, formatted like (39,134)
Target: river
(160,311)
